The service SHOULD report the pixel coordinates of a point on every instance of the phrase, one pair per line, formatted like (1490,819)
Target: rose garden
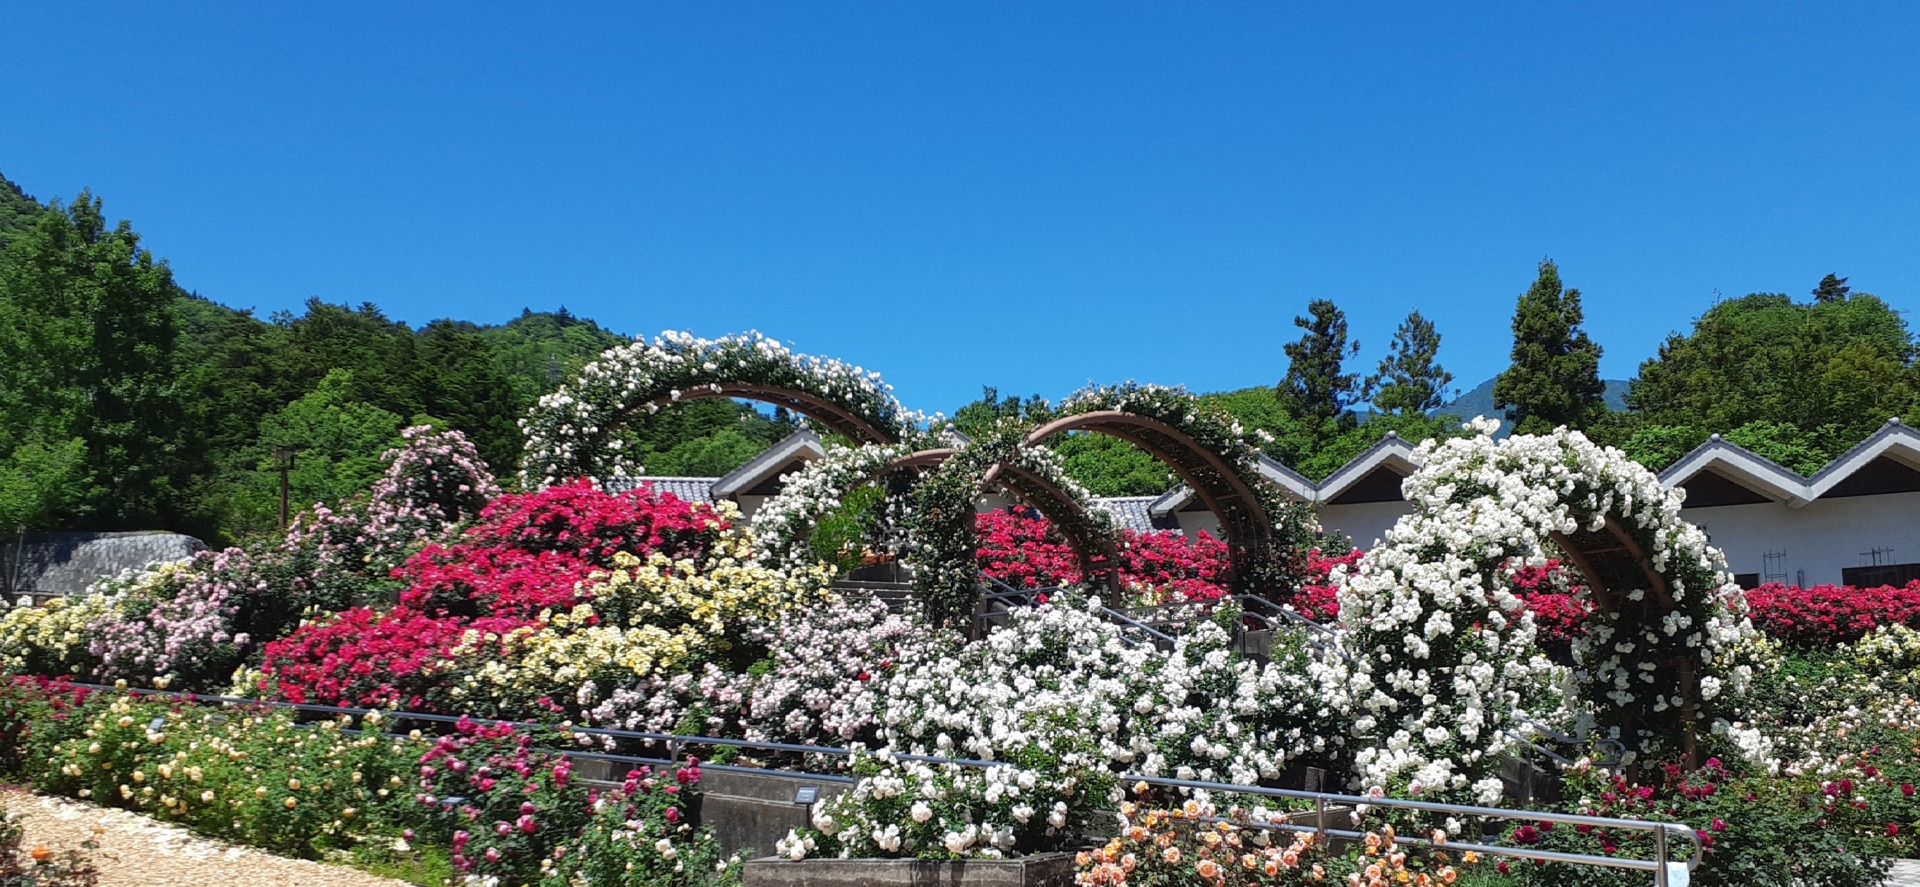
(1542,633)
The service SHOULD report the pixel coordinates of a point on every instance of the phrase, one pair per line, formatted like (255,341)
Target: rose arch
(571,432)
(783,523)
(1209,452)
(1444,671)
(941,524)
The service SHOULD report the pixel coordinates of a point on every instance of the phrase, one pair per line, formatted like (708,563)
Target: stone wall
(66,563)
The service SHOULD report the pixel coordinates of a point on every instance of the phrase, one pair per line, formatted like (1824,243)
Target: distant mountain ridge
(1479,401)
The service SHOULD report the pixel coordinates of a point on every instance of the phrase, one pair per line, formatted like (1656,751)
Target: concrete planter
(1042,870)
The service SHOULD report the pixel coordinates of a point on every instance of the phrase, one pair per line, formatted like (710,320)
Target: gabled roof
(1731,467)
(1893,441)
(1392,453)
(802,444)
(1742,466)
(1292,484)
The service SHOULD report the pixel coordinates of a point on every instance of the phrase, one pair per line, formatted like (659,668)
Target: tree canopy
(1554,378)
(1314,388)
(1822,374)
(1410,380)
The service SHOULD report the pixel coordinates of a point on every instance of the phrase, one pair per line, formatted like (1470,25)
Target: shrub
(640,833)
(256,778)
(1824,615)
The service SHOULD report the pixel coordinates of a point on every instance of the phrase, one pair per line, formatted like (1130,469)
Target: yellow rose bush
(644,620)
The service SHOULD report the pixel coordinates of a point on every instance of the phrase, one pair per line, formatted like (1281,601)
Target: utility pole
(283,460)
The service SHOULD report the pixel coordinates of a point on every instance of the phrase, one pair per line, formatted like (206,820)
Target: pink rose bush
(1824,615)
(528,556)
(1022,549)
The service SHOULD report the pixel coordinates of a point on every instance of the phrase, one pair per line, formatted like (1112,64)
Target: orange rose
(41,853)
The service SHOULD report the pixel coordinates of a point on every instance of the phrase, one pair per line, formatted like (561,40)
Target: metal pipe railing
(677,744)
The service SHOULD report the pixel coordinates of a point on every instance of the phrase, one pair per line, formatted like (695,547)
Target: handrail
(1321,800)
(1660,830)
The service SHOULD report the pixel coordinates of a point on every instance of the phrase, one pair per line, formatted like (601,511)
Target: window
(1884,574)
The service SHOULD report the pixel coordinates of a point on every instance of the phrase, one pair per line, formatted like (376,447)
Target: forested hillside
(132,403)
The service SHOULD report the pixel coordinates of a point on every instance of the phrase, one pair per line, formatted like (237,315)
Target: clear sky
(1026,195)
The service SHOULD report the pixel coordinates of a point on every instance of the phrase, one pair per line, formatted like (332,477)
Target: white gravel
(135,851)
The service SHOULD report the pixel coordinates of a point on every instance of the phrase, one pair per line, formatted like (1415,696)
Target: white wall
(1365,522)
(1820,539)
(1192,522)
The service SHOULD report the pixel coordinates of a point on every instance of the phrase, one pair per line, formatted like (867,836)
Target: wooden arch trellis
(1207,450)
(1611,559)
(1096,551)
(572,432)
(1220,486)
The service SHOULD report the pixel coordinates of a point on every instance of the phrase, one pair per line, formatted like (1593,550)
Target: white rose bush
(1445,668)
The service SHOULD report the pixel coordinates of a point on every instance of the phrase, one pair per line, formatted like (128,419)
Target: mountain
(1479,401)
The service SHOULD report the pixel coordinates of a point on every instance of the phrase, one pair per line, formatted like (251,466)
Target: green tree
(89,350)
(1831,289)
(1409,380)
(1554,378)
(1834,370)
(539,349)
(338,441)
(18,211)
(1314,388)
(975,417)
(461,383)
(39,482)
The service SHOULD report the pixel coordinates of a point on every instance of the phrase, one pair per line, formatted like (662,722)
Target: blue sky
(1023,195)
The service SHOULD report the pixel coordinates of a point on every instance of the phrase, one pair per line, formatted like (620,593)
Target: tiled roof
(1133,513)
(690,489)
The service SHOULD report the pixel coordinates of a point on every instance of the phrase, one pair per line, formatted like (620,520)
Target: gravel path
(136,851)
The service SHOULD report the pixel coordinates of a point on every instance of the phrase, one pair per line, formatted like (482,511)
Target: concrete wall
(1366,523)
(1819,539)
(66,563)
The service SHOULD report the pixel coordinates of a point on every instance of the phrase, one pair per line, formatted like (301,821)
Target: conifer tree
(1831,289)
(1554,378)
(1314,388)
(1409,382)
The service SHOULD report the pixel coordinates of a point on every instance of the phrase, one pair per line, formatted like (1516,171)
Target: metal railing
(677,745)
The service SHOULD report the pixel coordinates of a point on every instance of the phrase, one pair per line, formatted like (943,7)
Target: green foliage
(978,417)
(539,349)
(1409,382)
(1554,378)
(1108,466)
(38,481)
(702,438)
(339,442)
(1831,289)
(89,351)
(18,211)
(1811,379)
(1334,452)
(1800,450)
(461,385)
(1314,388)
(841,535)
